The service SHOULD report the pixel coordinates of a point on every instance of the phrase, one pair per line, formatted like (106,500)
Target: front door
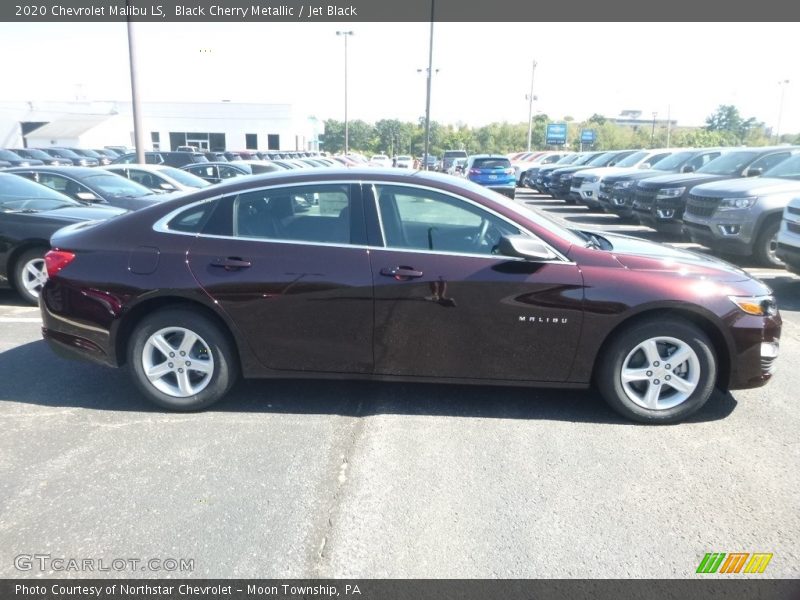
(447,306)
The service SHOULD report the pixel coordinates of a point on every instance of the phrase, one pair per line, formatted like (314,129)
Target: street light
(531,98)
(345,34)
(138,133)
(653,132)
(428,95)
(783,83)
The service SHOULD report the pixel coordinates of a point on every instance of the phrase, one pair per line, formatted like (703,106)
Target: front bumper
(789,255)
(756,349)
(727,231)
(587,194)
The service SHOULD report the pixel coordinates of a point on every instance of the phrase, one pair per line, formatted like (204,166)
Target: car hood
(677,179)
(83,213)
(748,186)
(605,171)
(641,255)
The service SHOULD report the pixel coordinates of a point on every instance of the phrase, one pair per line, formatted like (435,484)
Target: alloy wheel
(34,276)
(177,362)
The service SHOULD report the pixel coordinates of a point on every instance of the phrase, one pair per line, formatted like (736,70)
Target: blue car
(492,171)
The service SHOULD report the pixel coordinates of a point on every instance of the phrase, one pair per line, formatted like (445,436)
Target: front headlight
(670,192)
(624,185)
(760,306)
(737,203)
(591,179)
(83,162)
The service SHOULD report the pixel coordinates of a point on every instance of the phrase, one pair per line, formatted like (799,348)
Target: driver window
(427,220)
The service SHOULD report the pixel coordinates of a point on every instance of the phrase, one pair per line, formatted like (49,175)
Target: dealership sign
(556,133)
(588,136)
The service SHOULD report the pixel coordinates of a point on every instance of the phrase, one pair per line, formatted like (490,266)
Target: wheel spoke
(33,269)
(184,385)
(201,366)
(189,340)
(680,356)
(650,349)
(652,395)
(630,375)
(681,385)
(162,345)
(158,371)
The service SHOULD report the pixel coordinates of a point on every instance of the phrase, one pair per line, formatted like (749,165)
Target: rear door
(294,278)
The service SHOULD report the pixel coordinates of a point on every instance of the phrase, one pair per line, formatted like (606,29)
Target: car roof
(68,171)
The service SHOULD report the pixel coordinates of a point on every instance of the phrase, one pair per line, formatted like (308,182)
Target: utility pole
(345,34)
(428,95)
(531,98)
(135,108)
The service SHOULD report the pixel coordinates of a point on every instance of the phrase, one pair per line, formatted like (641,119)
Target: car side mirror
(687,169)
(87,197)
(753,172)
(520,246)
(166,186)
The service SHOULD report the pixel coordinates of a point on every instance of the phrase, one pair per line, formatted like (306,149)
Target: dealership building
(166,125)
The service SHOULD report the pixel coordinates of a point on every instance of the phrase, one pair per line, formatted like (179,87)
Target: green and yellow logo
(734,562)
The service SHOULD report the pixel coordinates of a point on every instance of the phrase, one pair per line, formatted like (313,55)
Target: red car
(397,276)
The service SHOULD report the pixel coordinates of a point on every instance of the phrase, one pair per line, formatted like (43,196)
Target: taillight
(474,171)
(55,260)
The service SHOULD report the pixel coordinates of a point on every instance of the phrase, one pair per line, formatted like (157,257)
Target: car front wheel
(658,372)
(181,360)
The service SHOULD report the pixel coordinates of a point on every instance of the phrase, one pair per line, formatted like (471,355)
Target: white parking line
(20,320)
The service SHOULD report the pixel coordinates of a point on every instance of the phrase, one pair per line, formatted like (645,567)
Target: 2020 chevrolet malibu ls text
(403,276)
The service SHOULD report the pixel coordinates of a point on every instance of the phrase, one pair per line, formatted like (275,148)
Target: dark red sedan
(363,273)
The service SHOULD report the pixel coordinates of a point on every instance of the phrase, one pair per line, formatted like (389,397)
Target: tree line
(725,127)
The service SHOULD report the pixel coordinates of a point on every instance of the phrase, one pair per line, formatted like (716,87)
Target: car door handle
(401,273)
(231,263)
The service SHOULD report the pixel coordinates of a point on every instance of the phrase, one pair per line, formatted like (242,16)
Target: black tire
(609,368)
(31,257)
(766,244)
(211,338)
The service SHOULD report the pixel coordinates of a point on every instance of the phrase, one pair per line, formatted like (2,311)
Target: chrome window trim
(160,226)
(463,199)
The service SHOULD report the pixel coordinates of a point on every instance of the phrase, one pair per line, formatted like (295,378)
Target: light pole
(783,83)
(428,95)
(345,34)
(531,98)
(653,132)
(135,109)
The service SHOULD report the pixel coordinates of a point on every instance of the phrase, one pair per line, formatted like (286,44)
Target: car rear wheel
(181,360)
(30,274)
(766,246)
(658,371)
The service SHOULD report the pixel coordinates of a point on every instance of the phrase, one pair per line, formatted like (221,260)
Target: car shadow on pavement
(64,383)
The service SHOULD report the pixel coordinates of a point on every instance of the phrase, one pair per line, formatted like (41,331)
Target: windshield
(729,164)
(115,186)
(673,161)
(34,153)
(65,152)
(185,177)
(567,160)
(788,169)
(586,158)
(14,187)
(8,155)
(601,160)
(631,160)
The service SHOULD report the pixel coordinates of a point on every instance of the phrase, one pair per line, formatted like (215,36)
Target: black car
(76,159)
(528,176)
(544,178)
(222,171)
(660,201)
(216,156)
(4,164)
(92,186)
(15,160)
(29,214)
(172,159)
(102,159)
(561,179)
(617,191)
(41,155)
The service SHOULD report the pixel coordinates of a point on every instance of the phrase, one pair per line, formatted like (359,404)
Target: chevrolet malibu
(399,276)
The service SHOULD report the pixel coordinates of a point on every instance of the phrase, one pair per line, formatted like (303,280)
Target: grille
(644,199)
(768,364)
(794,211)
(606,189)
(700,206)
(576,182)
(793,227)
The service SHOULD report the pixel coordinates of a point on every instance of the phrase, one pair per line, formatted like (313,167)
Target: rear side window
(491,163)
(192,219)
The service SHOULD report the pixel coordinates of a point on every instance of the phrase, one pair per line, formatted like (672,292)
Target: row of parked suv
(728,199)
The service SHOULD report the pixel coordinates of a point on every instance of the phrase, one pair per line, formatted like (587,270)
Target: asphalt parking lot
(356,479)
